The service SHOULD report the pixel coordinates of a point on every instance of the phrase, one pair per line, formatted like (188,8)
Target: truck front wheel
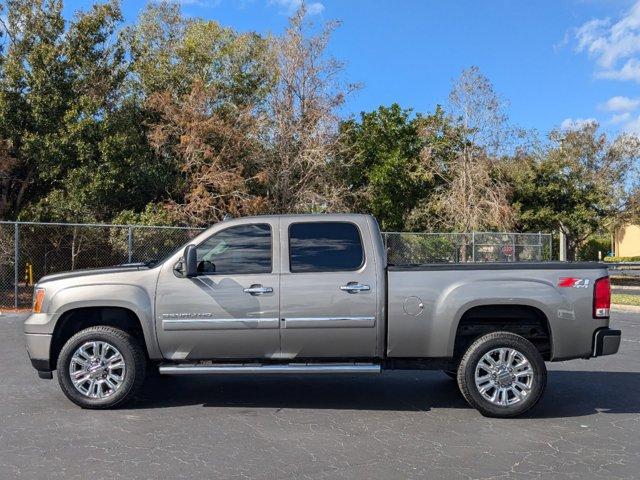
(502,375)
(101,367)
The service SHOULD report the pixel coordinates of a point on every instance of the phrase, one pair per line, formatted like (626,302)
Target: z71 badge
(571,282)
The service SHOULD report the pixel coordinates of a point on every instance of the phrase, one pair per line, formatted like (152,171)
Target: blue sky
(556,62)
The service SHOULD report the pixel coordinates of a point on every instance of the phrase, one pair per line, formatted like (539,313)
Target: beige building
(626,241)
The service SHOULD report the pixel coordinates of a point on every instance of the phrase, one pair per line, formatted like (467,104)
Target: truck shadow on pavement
(569,393)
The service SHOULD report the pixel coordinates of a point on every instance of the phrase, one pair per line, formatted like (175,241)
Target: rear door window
(325,247)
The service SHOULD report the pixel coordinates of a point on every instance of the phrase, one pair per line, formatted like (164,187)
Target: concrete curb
(631,288)
(10,311)
(625,308)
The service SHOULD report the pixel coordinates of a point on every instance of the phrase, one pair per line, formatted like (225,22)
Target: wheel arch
(529,321)
(75,320)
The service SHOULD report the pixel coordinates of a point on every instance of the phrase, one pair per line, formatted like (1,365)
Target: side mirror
(190,261)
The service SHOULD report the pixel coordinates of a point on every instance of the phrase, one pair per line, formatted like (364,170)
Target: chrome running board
(253,368)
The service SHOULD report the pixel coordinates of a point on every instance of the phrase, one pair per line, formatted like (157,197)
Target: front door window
(240,250)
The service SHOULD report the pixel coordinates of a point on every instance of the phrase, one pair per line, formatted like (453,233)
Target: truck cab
(308,286)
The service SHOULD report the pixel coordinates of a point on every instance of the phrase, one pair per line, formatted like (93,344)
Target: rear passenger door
(328,290)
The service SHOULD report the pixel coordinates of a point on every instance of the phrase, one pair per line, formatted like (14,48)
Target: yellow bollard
(28,274)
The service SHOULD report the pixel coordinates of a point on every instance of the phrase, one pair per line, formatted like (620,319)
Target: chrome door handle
(257,290)
(353,287)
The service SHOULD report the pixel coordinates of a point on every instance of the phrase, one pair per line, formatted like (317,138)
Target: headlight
(38,300)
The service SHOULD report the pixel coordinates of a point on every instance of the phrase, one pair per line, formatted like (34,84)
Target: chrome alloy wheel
(504,376)
(97,369)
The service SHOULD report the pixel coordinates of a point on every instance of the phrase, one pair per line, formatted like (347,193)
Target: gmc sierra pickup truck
(298,294)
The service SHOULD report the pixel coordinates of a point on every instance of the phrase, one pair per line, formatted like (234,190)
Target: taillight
(601,298)
(38,299)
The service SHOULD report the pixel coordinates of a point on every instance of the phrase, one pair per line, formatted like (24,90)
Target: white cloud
(315,8)
(290,6)
(620,118)
(576,123)
(622,109)
(591,36)
(612,42)
(629,71)
(633,126)
(614,45)
(621,104)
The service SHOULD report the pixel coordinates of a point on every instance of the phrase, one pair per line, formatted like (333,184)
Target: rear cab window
(325,247)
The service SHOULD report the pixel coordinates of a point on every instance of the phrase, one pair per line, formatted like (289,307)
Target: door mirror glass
(190,261)
(206,267)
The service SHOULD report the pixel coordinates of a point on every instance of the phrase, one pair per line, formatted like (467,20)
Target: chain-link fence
(415,248)
(29,250)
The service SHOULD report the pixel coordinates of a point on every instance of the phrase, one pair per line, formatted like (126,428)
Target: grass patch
(625,299)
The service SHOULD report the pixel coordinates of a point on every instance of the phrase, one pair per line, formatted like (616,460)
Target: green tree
(73,144)
(34,95)
(382,150)
(577,184)
(202,87)
(170,53)
(397,162)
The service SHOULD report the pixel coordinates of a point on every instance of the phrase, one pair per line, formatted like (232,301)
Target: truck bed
(427,302)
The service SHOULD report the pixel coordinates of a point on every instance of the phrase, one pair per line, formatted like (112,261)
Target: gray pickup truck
(298,294)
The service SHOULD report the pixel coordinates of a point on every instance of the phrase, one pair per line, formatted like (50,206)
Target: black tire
(134,359)
(451,374)
(474,354)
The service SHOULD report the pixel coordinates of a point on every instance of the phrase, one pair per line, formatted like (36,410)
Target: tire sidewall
(466,374)
(119,340)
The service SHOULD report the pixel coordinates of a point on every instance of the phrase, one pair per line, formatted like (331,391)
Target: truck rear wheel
(502,375)
(101,367)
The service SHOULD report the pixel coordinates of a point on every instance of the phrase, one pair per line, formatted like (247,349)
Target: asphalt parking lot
(397,425)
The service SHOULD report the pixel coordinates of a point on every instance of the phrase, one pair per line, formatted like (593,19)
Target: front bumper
(38,348)
(38,333)
(606,342)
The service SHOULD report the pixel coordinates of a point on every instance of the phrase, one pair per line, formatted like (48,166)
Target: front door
(231,309)
(328,290)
